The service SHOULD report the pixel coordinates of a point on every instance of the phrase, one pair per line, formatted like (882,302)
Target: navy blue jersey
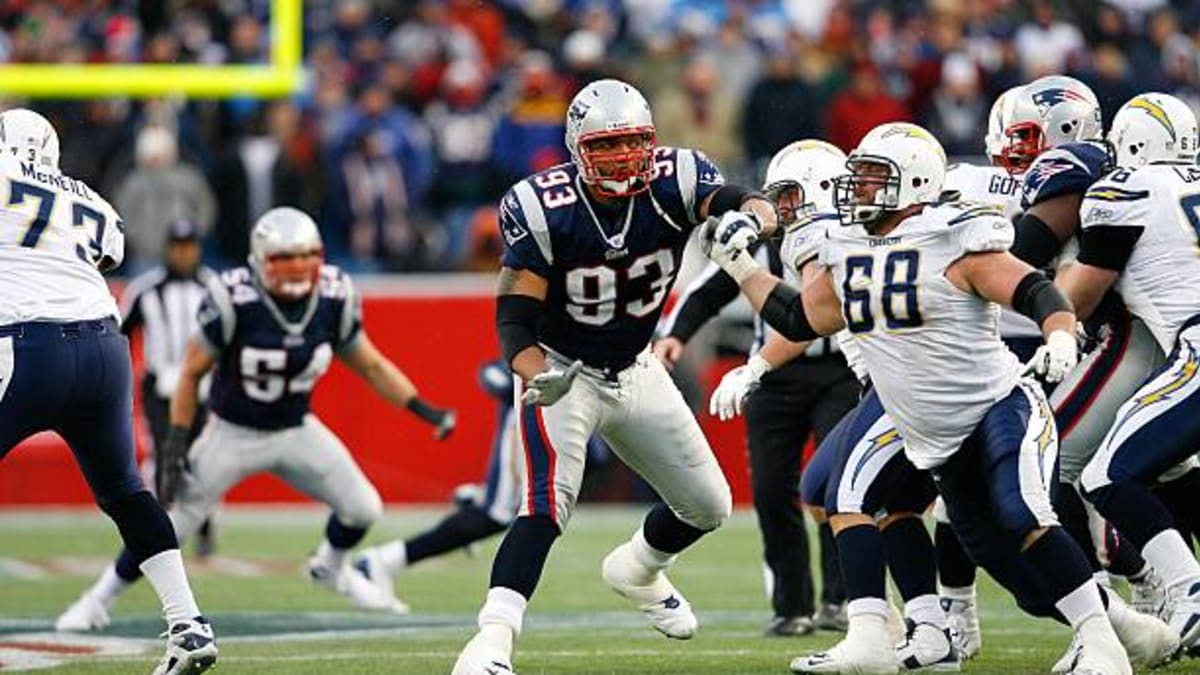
(1067,169)
(270,354)
(609,266)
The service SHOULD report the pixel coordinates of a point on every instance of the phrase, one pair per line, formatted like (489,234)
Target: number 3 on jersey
(592,291)
(898,301)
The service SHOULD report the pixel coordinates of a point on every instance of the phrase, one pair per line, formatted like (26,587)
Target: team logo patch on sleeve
(510,225)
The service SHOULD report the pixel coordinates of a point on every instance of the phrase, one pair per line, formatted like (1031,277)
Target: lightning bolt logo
(874,447)
(1046,438)
(1156,111)
(1185,374)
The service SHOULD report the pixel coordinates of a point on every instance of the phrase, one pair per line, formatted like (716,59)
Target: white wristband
(741,267)
(758,366)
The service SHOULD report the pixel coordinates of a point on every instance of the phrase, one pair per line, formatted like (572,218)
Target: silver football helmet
(29,137)
(1154,127)
(611,137)
(1050,112)
(286,252)
(801,176)
(903,162)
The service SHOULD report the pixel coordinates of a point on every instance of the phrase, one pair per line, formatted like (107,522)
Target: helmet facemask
(869,192)
(292,275)
(788,198)
(618,163)
(1023,142)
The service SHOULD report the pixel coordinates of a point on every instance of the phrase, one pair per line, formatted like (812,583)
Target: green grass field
(269,619)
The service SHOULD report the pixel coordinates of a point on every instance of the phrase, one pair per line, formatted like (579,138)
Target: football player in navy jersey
(268,331)
(591,250)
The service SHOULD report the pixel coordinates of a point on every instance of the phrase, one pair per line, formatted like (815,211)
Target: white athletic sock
(863,606)
(331,557)
(393,556)
(505,607)
(961,593)
(1081,604)
(651,558)
(926,609)
(165,573)
(1172,558)
(108,586)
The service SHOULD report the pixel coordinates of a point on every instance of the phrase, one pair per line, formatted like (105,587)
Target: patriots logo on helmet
(1047,99)
(577,112)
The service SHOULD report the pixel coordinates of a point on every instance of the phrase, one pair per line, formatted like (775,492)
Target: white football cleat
(191,648)
(963,616)
(665,607)
(1149,595)
(927,647)
(85,614)
(864,651)
(362,593)
(1184,614)
(1147,639)
(369,565)
(488,653)
(1099,651)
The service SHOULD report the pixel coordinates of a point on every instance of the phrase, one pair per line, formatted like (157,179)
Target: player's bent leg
(380,564)
(554,441)
(1153,433)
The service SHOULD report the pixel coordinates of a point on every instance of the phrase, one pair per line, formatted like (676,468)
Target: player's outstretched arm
(170,458)
(1084,285)
(197,361)
(365,359)
(1000,277)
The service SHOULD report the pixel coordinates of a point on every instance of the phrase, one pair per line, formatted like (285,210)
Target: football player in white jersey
(64,365)
(918,283)
(1140,229)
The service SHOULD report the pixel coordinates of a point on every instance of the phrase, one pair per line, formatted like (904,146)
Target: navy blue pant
(74,379)
(860,467)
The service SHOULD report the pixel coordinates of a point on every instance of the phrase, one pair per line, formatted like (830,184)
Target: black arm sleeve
(1037,297)
(1035,242)
(1109,246)
(731,198)
(784,312)
(517,319)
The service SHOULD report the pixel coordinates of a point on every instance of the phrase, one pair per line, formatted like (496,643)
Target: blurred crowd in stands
(417,114)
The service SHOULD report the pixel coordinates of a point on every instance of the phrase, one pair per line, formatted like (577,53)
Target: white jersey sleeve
(54,232)
(980,228)
(1160,278)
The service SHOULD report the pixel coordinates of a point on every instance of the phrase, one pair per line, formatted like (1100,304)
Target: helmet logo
(577,112)
(615,125)
(1048,98)
(1154,110)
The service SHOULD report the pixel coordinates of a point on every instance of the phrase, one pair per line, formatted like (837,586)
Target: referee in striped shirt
(163,302)
(808,394)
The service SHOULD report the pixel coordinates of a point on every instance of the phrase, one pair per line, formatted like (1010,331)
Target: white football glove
(1053,360)
(726,241)
(730,395)
(548,387)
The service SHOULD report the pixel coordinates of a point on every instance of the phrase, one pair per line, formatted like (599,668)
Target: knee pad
(144,526)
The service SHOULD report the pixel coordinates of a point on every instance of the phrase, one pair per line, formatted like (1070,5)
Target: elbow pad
(517,318)
(1037,298)
(784,311)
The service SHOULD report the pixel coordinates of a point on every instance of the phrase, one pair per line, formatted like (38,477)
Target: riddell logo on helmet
(618,124)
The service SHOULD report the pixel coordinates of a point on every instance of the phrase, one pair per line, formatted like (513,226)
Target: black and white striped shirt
(164,306)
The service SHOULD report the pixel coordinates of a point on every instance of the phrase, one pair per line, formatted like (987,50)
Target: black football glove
(442,419)
(171,464)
